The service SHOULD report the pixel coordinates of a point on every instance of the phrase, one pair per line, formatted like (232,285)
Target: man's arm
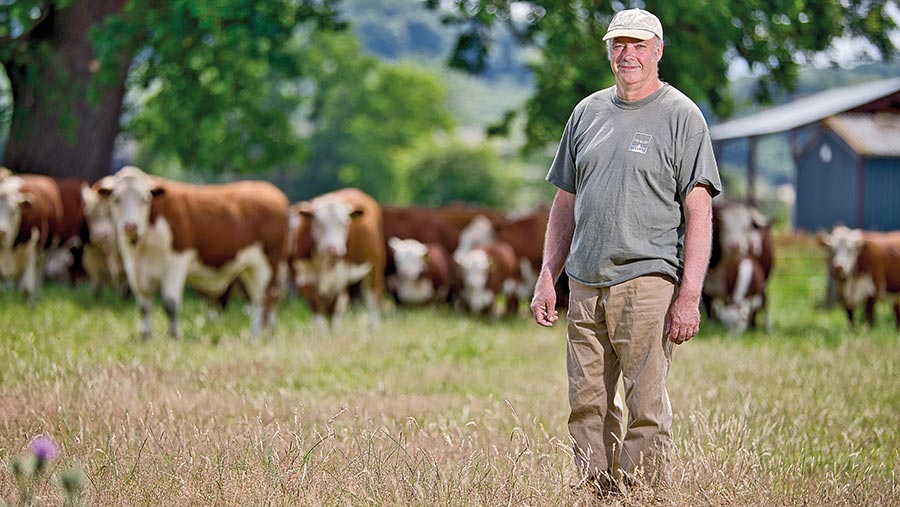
(557,242)
(683,318)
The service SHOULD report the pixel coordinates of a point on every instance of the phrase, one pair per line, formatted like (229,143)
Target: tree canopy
(199,67)
(774,37)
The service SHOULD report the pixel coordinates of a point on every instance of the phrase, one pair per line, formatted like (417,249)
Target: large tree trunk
(42,138)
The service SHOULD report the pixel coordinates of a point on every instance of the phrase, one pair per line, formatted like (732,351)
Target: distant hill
(395,30)
(814,80)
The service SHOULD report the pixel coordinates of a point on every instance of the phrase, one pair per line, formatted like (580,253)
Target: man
(631,223)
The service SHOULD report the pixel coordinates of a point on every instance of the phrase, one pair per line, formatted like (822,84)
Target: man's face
(635,62)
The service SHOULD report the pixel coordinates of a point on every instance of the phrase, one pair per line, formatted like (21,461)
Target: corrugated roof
(869,134)
(804,111)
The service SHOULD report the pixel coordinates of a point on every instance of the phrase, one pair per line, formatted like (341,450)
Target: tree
(437,175)
(200,64)
(774,37)
(360,114)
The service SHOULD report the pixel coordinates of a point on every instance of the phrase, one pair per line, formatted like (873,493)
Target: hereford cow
(442,224)
(65,261)
(172,234)
(423,272)
(741,261)
(865,266)
(737,288)
(100,254)
(337,240)
(30,215)
(487,272)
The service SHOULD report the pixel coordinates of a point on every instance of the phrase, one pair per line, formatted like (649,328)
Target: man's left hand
(682,320)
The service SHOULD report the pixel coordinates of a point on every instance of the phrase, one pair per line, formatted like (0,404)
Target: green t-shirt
(630,165)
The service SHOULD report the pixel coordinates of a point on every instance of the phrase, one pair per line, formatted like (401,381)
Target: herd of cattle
(152,237)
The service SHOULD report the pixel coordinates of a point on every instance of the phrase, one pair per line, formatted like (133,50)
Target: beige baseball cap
(634,23)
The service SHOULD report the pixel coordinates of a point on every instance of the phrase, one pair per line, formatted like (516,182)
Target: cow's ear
(88,197)
(105,186)
(25,200)
(758,219)
(304,208)
(823,239)
(394,242)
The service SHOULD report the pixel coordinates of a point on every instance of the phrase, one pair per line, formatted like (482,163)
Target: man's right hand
(543,305)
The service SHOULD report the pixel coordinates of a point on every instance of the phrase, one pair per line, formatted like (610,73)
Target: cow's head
(741,229)
(97,215)
(843,246)
(129,192)
(330,219)
(474,268)
(12,202)
(480,231)
(410,257)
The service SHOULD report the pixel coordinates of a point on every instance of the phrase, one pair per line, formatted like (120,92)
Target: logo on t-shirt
(640,143)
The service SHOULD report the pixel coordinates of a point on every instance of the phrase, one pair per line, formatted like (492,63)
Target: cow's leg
(372,298)
(339,307)
(870,311)
(145,305)
(28,281)
(172,289)
(897,312)
(172,305)
(256,280)
(849,311)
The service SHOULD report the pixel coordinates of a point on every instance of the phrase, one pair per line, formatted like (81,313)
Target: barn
(849,174)
(846,148)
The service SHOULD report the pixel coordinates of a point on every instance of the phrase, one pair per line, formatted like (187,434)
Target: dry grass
(434,408)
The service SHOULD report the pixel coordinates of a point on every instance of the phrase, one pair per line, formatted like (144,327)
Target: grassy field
(433,408)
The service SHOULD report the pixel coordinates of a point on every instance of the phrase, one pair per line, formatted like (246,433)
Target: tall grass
(434,407)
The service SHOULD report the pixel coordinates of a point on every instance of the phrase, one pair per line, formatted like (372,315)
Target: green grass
(433,407)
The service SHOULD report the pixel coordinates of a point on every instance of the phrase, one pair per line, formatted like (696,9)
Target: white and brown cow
(30,218)
(65,262)
(173,234)
(337,241)
(424,272)
(486,273)
(737,287)
(100,255)
(740,263)
(865,266)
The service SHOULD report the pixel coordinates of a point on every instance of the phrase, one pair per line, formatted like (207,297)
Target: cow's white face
(12,200)
(844,246)
(474,268)
(739,230)
(409,257)
(98,215)
(130,192)
(479,232)
(330,226)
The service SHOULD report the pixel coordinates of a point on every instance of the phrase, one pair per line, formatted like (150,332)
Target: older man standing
(631,223)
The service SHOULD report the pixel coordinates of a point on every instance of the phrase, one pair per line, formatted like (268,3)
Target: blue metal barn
(846,147)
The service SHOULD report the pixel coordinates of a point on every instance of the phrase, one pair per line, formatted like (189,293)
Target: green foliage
(360,114)
(774,37)
(437,175)
(208,77)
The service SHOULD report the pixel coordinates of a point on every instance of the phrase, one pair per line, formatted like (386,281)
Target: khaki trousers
(612,332)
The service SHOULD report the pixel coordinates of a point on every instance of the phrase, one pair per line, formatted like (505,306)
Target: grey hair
(609,45)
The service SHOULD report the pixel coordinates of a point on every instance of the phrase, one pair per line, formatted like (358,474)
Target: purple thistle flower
(43,448)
